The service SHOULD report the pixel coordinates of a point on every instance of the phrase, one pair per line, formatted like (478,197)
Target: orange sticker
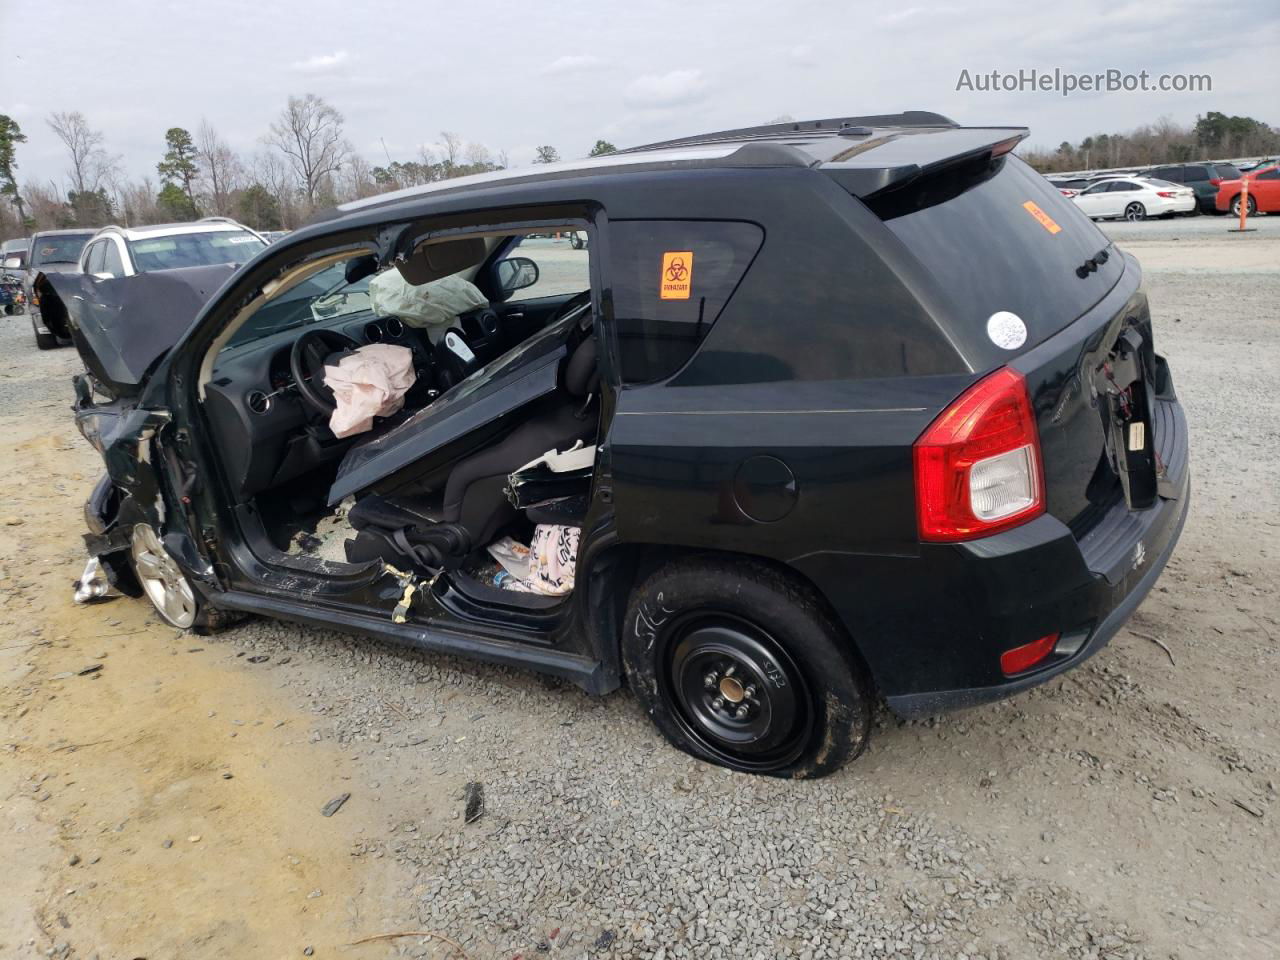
(677,275)
(1046,221)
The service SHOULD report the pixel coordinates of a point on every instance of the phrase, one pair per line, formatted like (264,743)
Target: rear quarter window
(989,252)
(670,280)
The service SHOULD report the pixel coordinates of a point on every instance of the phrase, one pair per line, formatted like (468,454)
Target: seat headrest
(581,374)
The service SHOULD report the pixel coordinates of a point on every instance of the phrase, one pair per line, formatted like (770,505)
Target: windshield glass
(194,249)
(1008,243)
(58,249)
(322,296)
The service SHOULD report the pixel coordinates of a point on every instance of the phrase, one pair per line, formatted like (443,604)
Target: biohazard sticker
(1006,330)
(1043,218)
(677,275)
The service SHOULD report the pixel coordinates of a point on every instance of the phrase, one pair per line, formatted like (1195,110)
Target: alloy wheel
(1135,211)
(737,692)
(163,581)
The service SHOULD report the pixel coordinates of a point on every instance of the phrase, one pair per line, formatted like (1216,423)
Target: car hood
(56,267)
(122,326)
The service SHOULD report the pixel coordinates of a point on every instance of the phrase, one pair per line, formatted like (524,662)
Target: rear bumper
(1079,644)
(1122,556)
(931,627)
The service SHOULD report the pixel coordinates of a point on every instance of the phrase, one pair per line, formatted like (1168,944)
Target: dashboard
(267,434)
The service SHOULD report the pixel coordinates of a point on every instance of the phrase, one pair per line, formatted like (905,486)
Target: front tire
(1135,212)
(168,589)
(739,665)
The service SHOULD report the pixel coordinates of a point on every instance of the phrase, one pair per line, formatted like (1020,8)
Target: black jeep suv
(834,410)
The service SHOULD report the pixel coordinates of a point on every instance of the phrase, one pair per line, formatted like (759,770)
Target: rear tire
(739,665)
(1235,206)
(1135,212)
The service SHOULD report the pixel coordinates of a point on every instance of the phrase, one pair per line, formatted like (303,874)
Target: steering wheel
(306,363)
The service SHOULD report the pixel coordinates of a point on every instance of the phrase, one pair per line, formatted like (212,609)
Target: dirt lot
(161,793)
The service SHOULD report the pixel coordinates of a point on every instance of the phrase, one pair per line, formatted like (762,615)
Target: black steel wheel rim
(735,691)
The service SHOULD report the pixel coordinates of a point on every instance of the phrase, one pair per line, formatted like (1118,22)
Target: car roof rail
(792,128)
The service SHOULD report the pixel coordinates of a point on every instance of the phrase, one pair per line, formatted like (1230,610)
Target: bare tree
(452,144)
(358,181)
(90,162)
(478,156)
(45,205)
(137,202)
(309,134)
(220,168)
(270,171)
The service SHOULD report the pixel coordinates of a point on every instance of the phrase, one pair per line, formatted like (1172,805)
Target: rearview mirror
(13,263)
(361,267)
(516,273)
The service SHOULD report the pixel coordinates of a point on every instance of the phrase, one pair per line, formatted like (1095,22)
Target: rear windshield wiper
(1093,263)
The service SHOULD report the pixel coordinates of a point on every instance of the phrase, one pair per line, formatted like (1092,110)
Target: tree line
(1214,136)
(304,163)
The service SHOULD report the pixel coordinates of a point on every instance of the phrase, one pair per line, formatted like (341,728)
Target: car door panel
(432,435)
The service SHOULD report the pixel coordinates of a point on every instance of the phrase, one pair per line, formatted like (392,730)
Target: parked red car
(1264,192)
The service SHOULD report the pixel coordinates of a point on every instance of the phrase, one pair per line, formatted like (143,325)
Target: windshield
(58,249)
(322,296)
(194,249)
(1010,242)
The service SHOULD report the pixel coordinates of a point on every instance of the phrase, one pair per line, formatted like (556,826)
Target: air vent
(258,402)
(395,329)
(373,332)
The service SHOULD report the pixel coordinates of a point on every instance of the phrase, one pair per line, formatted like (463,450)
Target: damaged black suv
(833,410)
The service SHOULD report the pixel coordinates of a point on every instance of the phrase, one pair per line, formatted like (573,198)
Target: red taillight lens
(1028,655)
(977,466)
(1215,182)
(1168,194)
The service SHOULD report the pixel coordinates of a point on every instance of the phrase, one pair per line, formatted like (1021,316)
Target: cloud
(898,16)
(671,89)
(802,55)
(571,63)
(320,63)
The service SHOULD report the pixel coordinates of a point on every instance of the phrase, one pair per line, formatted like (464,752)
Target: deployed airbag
(369,382)
(432,307)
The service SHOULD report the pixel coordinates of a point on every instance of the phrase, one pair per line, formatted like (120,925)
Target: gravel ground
(1127,809)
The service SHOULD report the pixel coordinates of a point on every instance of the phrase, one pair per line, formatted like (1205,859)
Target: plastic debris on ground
(546,566)
(93,585)
(369,382)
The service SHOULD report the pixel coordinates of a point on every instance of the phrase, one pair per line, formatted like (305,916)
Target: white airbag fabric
(371,382)
(432,306)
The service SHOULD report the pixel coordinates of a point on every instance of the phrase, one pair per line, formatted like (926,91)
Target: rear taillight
(1215,182)
(977,466)
(1028,655)
(1167,194)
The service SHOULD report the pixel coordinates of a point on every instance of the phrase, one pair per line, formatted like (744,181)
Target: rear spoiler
(793,128)
(892,161)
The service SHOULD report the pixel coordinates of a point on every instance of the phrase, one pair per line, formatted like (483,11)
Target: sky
(513,75)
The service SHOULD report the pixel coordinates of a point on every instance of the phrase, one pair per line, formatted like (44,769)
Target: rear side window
(670,280)
(93,263)
(1009,242)
(1171,174)
(1226,171)
(1272,174)
(1195,173)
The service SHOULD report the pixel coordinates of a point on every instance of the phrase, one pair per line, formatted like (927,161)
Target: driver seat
(474,497)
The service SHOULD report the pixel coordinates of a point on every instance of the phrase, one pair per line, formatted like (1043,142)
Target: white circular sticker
(1006,330)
